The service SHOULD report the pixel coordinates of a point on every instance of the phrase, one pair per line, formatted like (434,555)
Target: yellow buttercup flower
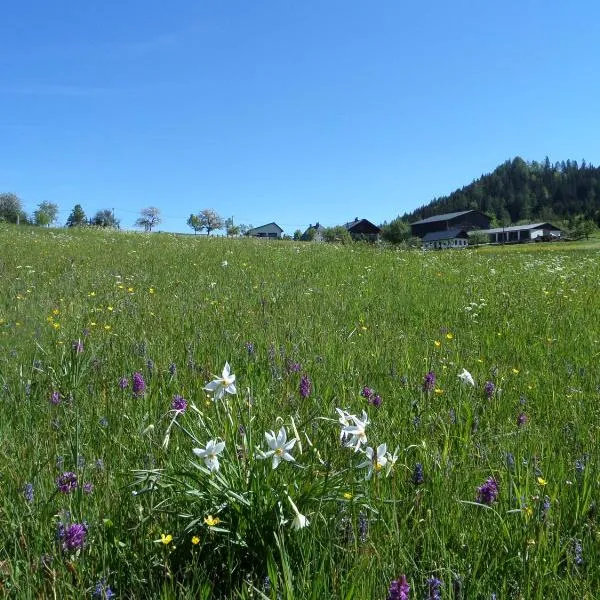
(195,540)
(437,343)
(542,481)
(212,521)
(449,336)
(348,496)
(166,539)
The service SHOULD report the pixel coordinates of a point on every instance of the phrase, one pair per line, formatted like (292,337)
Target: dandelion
(399,589)
(210,454)
(139,385)
(72,536)
(487,493)
(429,382)
(221,385)
(279,447)
(305,386)
(67,482)
(466,377)
(179,404)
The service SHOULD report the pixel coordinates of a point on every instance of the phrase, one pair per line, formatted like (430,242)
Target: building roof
(524,227)
(351,224)
(250,231)
(443,217)
(448,234)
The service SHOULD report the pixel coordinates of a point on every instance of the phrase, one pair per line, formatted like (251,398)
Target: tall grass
(175,309)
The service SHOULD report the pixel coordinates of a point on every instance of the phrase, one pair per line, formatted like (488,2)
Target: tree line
(565,193)
(46,214)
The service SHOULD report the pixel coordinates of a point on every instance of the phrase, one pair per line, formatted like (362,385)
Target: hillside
(526,191)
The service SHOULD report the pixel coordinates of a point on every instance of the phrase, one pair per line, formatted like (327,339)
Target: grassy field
(485,488)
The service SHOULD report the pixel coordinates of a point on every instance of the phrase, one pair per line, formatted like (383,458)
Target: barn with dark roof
(464,219)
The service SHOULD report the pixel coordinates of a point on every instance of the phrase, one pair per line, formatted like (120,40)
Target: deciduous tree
(150,218)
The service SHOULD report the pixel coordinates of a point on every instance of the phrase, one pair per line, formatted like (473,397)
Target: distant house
(451,238)
(465,219)
(521,233)
(313,233)
(270,230)
(362,229)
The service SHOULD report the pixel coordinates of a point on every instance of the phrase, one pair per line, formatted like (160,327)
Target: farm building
(465,219)
(362,229)
(270,230)
(521,233)
(452,238)
(313,233)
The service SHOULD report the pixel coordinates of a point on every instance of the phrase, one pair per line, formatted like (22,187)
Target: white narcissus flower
(220,385)
(356,432)
(210,454)
(466,377)
(391,461)
(279,447)
(300,521)
(375,461)
(344,420)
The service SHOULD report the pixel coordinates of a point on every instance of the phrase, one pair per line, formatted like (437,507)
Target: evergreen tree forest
(519,191)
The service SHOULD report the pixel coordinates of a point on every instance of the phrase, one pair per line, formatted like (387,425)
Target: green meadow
(487,486)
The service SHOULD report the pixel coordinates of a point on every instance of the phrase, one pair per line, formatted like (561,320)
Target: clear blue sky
(287,111)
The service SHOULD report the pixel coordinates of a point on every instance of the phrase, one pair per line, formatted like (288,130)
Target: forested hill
(526,191)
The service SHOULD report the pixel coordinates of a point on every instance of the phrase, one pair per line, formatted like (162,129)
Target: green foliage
(210,220)
(11,208)
(396,232)
(150,218)
(175,309)
(105,218)
(478,237)
(195,223)
(46,214)
(338,234)
(77,217)
(526,191)
(297,235)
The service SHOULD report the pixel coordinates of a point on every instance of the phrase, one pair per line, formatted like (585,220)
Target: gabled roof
(444,217)
(524,227)
(448,234)
(249,232)
(351,224)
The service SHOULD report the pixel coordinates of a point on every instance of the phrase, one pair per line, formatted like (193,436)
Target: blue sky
(293,112)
